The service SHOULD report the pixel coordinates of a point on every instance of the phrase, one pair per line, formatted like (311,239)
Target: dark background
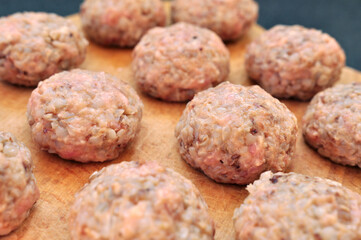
(339,18)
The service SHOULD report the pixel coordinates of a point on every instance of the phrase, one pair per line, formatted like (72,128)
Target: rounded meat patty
(120,22)
(133,200)
(294,62)
(234,133)
(34,46)
(84,116)
(175,62)
(18,188)
(230,19)
(298,207)
(332,123)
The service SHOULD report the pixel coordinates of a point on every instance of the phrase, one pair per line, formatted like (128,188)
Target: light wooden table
(59,179)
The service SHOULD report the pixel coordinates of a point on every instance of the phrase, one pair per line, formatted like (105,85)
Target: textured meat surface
(133,200)
(230,19)
(84,116)
(298,207)
(294,62)
(34,46)
(18,189)
(120,22)
(332,123)
(234,133)
(175,62)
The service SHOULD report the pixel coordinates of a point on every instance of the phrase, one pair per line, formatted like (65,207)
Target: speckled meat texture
(84,116)
(332,123)
(175,62)
(298,207)
(120,22)
(142,201)
(294,62)
(230,19)
(18,189)
(234,133)
(34,46)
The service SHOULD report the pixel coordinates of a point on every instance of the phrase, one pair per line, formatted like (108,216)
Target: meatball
(120,22)
(234,133)
(175,62)
(34,46)
(294,62)
(332,123)
(133,200)
(294,206)
(230,19)
(18,188)
(84,116)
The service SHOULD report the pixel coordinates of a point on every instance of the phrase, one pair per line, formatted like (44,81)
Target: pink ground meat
(84,116)
(175,62)
(332,124)
(230,19)
(18,188)
(294,62)
(234,133)
(34,46)
(298,207)
(142,201)
(120,22)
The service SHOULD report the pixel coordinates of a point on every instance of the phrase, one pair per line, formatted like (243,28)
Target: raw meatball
(140,201)
(234,133)
(230,19)
(298,207)
(332,123)
(17,183)
(176,62)
(34,46)
(84,116)
(294,62)
(120,22)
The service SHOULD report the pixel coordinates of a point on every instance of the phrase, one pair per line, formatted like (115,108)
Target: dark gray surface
(340,18)
(61,7)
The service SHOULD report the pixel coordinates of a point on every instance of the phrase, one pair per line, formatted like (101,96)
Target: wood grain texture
(59,179)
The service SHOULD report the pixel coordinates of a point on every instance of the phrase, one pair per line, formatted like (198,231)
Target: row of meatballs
(231,132)
(142,200)
(175,62)
(34,46)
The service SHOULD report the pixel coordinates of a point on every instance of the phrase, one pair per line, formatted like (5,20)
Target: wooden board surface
(59,179)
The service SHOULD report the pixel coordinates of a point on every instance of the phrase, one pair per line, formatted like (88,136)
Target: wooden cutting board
(59,179)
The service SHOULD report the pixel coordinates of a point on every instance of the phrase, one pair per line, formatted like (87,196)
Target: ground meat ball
(176,62)
(234,133)
(84,116)
(17,183)
(298,207)
(230,19)
(34,46)
(294,62)
(120,22)
(332,124)
(141,201)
